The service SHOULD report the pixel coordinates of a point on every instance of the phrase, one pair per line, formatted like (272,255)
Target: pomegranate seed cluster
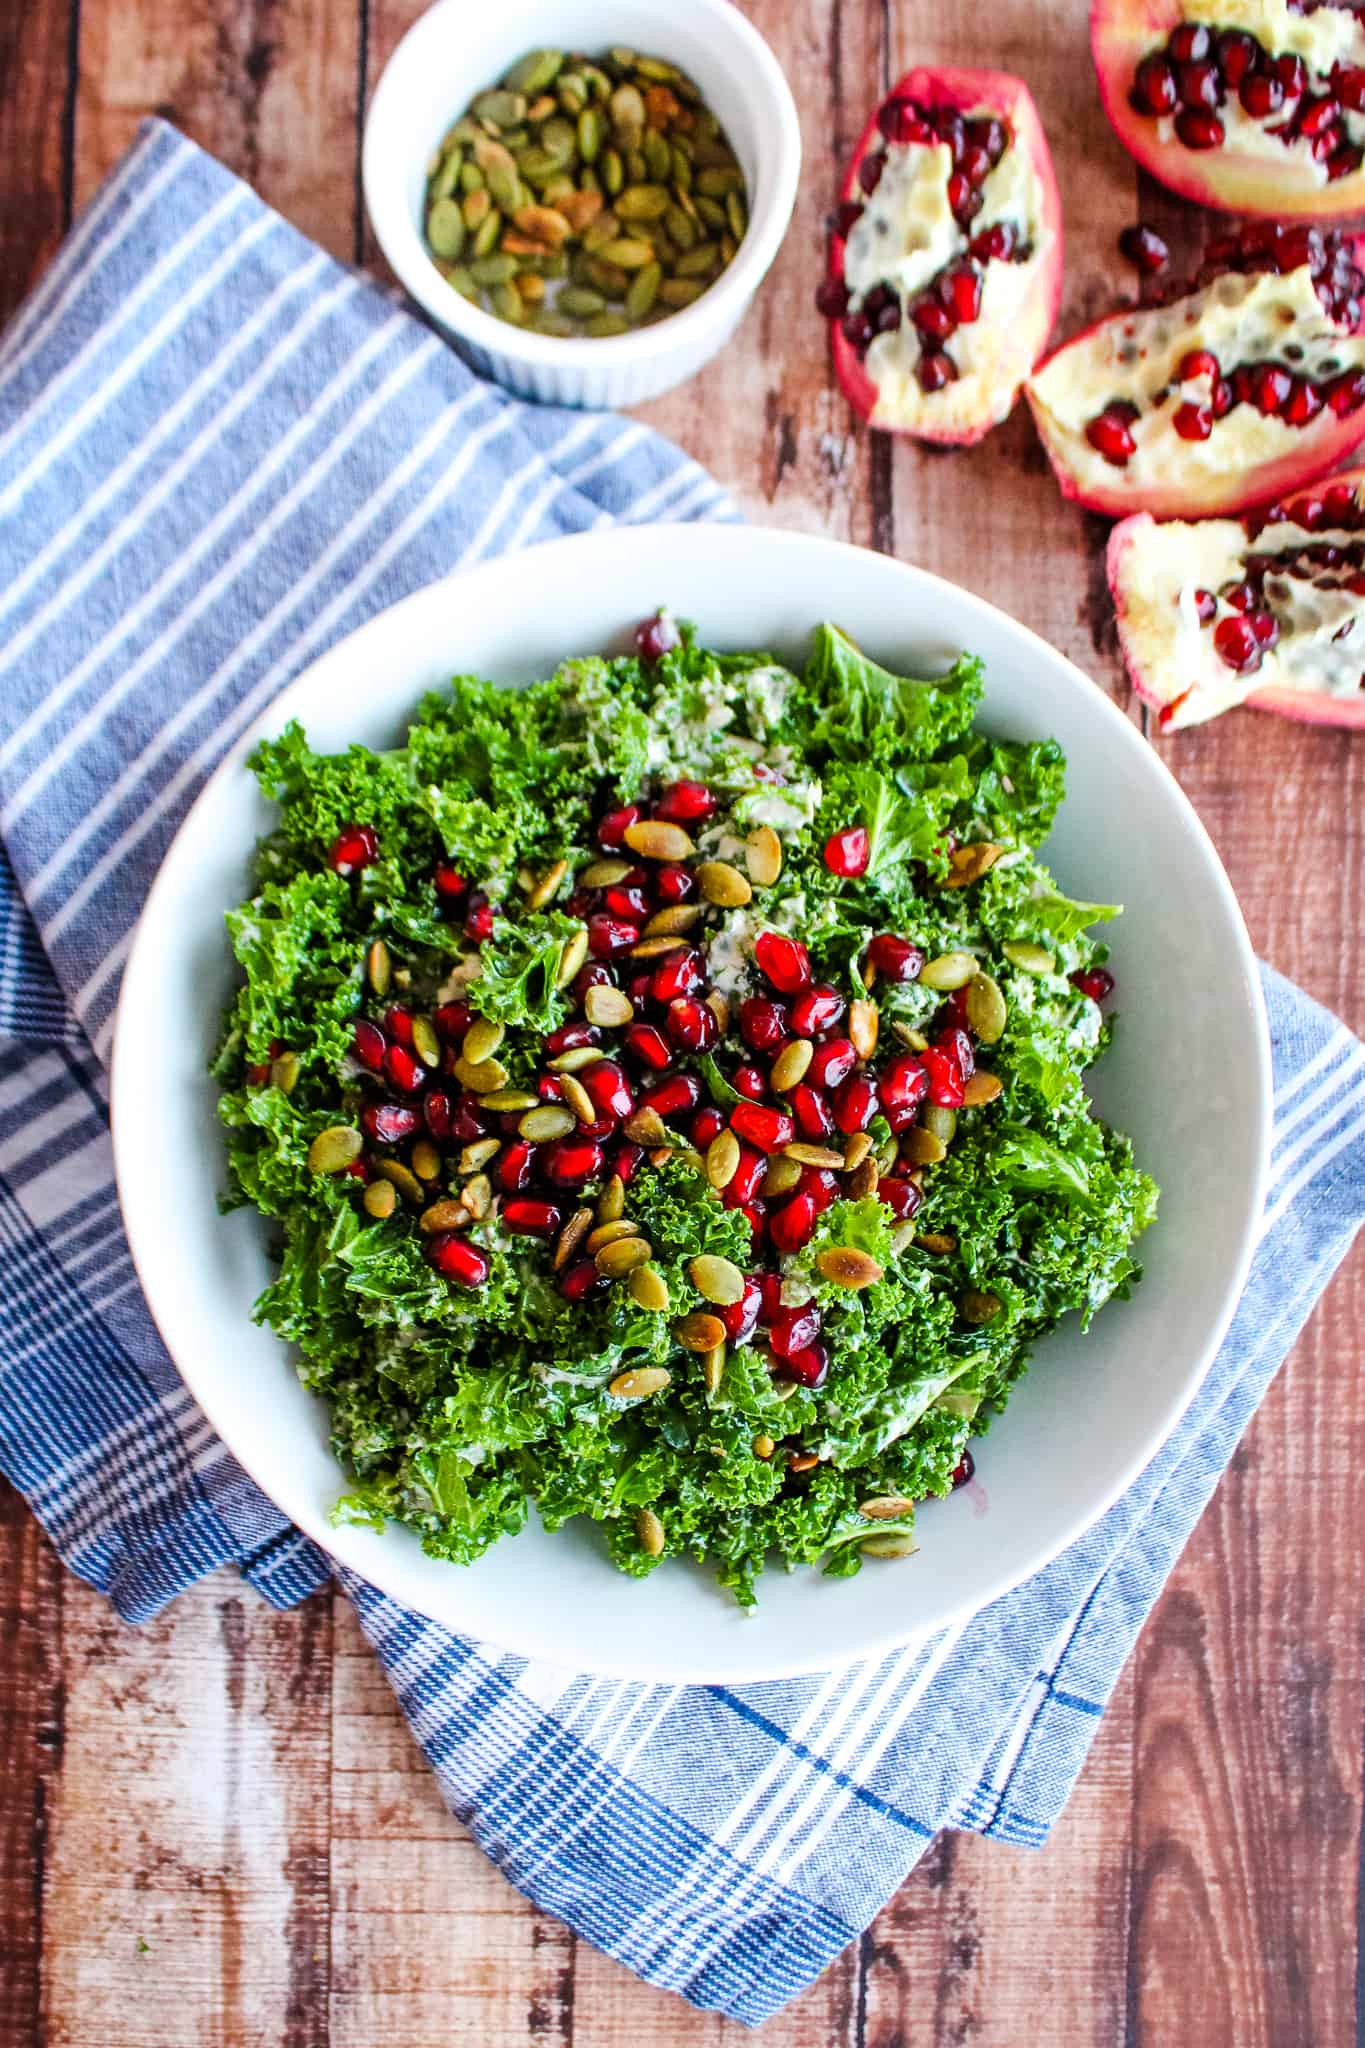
(953,298)
(1241,614)
(1210,389)
(1199,72)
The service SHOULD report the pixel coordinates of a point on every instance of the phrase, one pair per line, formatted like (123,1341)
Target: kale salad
(666,1085)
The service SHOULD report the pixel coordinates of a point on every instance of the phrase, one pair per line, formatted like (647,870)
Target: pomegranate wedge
(945,263)
(1267,610)
(1239,387)
(1257,106)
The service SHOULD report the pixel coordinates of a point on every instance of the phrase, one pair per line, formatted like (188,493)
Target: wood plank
(186,1894)
(269,86)
(34,196)
(31,1738)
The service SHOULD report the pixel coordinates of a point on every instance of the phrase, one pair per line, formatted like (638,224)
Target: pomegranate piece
(404,1069)
(763,1023)
(895,957)
(1187,409)
(569,1162)
(744,1182)
(438,1114)
(478,924)
(457,1258)
(622,901)
(673,884)
(685,803)
(1095,982)
(767,1128)
(649,1046)
(692,1025)
(368,1045)
(577,1282)
(817,1010)
(784,961)
(512,1170)
(894,349)
(1223,611)
(449,882)
(750,1081)
(678,974)
(793,1224)
(1144,249)
(901,1197)
(902,1087)
(674,1097)
(526,1217)
(945,1080)
(608,1090)
(389,1123)
(656,637)
(848,852)
(855,1103)
(741,1317)
(707,1124)
(831,1063)
(611,830)
(1165,81)
(791,1329)
(608,936)
(354,847)
(811,1109)
(810,1367)
(570,1038)
(452,1020)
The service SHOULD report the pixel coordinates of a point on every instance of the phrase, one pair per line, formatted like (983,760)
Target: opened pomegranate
(1267,610)
(945,263)
(1256,106)
(1244,384)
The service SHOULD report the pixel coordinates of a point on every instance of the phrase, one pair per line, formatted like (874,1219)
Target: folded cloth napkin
(219,452)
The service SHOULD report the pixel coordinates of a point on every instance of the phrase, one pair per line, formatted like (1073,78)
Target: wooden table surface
(216,1829)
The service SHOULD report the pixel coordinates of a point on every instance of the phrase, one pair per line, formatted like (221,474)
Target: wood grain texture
(236,1789)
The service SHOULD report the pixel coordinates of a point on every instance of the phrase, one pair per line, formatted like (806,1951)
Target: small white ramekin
(461,46)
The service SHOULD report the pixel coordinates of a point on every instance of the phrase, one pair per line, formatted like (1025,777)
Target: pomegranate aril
(987,133)
(847,214)
(1238,54)
(354,847)
(1108,434)
(438,1114)
(389,1123)
(1292,73)
(656,637)
(767,1128)
(673,884)
(1189,43)
(932,318)
(814,1117)
(831,1062)
(577,1282)
(1237,645)
(404,1069)
(750,1081)
(870,171)
(975,169)
(529,1218)
(467,1122)
(831,298)
(595,975)
(821,1185)
(1263,625)
(741,1317)
(368,1045)
(895,957)
(692,1025)
(608,936)
(793,1224)
(793,1328)
(1198,130)
(611,830)
(478,924)
(785,962)
(513,1167)
(1338,506)
(935,370)
(1261,94)
(901,1197)
(1346,393)
(457,1259)
(763,1024)
(398,1024)
(945,1079)
(815,1010)
(674,1097)
(678,974)
(848,852)
(628,905)
(1154,88)
(569,1037)
(855,1104)
(549,1088)
(452,1020)
(707,1124)
(902,1087)
(1344,163)
(810,1367)
(1144,249)
(649,1046)
(1316,115)
(1095,982)
(961,288)
(625,1161)
(608,1090)
(964,200)
(1303,404)
(684,802)
(1205,605)
(957,1044)
(995,244)
(1193,422)
(744,1182)
(770,1305)
(569,1162)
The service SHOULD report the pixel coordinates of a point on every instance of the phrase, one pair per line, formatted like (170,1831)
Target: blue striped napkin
(218,453)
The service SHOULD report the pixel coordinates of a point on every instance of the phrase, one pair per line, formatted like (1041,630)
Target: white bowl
(1188,1077)
(454,51)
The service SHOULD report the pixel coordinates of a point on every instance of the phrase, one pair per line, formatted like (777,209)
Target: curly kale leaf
(858,711)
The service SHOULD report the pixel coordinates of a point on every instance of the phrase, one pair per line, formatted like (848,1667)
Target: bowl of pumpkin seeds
(583,197)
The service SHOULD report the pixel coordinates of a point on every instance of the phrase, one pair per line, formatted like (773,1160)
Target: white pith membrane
(1241,320)
(1327,37)
(1321,621)
(906,236)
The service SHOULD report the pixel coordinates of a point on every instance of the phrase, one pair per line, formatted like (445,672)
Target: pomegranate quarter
(1255,106)
(1244,384)
(945,263)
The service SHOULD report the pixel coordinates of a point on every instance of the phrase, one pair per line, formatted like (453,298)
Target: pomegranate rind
(1318,448)
(1122,32)
(1163,690)
(1011,99)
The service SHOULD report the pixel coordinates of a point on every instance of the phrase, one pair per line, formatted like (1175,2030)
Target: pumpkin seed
(603,874)
(547,886)
(426,1160)
(622,1256)
(533,72)
(864,1025)
(482,247)
(545,1122)
(885,1507)
(1028,958)
(763,1445)
(379,967)
(843,1265)
(571,1237)
(504,109)
(967,864)
(722,1159)
(942,1123)
(948,971)
(444,1215)
(613,172)
(507,304)
(721,883)
(639,1383)
(713,1368)
(284,1072)
(607,324)
(608,1007)
(662,942)
(607,1233)
(857,1149)
(648,1289)
(644,290)
(404,1179)
(650,1531)
(719,1006)
(446,229)
(477,1195)
(678,292)
(699,1331)
(572,958)
(481,1077)
(763,856)
(380,1199)
(791,1063)
(476,1155)
(940,1242)
(333,1149)
(578,1099)
(801,1461)
(699,263)
(672,919)
(628,252)
(908,1036)
(978,1305)
(612,1200)
(921,1147)
(583,303)
(862,1181)
(646,1127)
(508,1100)
(889,1546)
(716,1280)
(425,1043)
(982,1088)
(781,1177)
(987,1014)
(813,1155)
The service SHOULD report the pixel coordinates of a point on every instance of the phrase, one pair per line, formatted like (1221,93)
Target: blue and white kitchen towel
(219,452)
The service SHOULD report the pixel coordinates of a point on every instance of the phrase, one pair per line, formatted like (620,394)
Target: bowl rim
(721,305)
(127,1099)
